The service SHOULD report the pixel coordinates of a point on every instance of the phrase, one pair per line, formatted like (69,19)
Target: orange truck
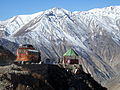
(27,53)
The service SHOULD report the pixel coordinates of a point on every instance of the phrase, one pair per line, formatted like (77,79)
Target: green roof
(70,52)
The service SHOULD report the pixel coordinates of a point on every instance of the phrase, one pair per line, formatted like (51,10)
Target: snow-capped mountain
(94,34)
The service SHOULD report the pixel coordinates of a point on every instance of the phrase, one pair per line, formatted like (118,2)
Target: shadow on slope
(6,56)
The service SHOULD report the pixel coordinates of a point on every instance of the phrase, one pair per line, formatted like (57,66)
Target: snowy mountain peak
(94,34)
(56,12)
(108,11)
(98,18)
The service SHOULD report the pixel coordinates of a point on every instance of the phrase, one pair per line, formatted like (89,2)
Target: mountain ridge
(94,34)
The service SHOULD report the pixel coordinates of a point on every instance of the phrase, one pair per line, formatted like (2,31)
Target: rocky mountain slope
(113,83)
(44,77)
(6,56)
(94,34)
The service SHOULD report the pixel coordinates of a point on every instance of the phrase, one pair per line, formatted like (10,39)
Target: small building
(71,57)
(27,53)
(71,62)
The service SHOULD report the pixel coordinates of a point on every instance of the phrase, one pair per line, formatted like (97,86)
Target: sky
(10,8)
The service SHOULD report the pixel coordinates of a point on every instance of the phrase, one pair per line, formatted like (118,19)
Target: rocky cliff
(44,77)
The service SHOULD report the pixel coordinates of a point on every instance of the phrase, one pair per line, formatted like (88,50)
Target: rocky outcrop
(44,77)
